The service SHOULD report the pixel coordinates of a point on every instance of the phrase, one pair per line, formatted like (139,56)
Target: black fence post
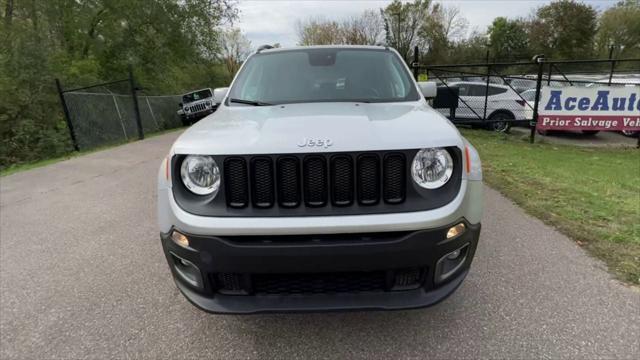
(136,108)
(613,64)
(416,62)
(540,61)
(486,91)
(67,118)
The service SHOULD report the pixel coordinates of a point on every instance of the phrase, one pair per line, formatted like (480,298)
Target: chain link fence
(103,118)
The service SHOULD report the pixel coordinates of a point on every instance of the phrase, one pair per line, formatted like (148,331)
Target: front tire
(500,122)
(630,133)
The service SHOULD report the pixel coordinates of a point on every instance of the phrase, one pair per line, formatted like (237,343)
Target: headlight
(200,174)
(432,168)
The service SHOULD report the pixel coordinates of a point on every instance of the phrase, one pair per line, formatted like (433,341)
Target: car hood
(340,127)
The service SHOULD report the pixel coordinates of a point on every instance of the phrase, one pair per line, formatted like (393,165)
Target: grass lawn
(590,194)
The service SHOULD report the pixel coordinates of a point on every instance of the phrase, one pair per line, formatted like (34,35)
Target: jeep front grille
(197,107)
(315,180)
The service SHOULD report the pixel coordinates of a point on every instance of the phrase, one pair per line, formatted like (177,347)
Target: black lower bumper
(382,271)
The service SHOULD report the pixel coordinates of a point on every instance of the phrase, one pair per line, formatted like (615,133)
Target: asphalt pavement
(82,275)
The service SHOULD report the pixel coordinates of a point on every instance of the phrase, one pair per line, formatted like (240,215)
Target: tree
(402,22)
(508,38)
(564,29)
(319,31)
(444,27)
(365,29)
(234,49)
(620,28)
(470,50)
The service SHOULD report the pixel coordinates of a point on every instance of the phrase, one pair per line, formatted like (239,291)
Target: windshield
(195,96)
(324,75)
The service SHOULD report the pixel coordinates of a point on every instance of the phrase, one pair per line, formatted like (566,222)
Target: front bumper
(247,258)
(200,114)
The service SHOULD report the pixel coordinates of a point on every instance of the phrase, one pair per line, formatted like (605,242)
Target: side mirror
(180,105)
(219,94)
(429,89)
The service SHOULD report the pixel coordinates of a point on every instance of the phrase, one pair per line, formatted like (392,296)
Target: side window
(464,89)
(477,90)
(496,90)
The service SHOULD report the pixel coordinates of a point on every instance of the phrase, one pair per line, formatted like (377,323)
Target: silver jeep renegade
(324,181)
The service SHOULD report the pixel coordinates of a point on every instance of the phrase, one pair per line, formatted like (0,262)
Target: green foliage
(619,26)
(171,44)
(508,39)
(402,22)
(564,29)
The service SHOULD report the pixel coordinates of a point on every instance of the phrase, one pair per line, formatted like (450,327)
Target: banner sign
(596,108)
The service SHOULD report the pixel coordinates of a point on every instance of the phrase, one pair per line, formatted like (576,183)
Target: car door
(465,102)
(472,102)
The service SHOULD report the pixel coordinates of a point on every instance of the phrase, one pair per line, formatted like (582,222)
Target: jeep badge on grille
(315,143)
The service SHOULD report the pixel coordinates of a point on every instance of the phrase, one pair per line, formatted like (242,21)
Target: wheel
(630,133)
(590,132)
(500,126)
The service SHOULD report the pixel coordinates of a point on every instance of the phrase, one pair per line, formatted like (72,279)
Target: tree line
(172,45)
(563,29)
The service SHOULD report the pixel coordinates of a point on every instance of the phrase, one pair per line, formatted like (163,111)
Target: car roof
(195,91)
(483,83)
(294,48)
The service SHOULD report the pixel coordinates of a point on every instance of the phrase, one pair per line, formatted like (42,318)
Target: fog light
(450,263)
(453,255)
(187,271)
(180,239)
(456,231)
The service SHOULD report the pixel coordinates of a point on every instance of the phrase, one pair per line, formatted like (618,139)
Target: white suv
(324,181)
(503,104)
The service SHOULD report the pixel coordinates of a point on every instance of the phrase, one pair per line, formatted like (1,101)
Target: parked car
(503,104)
(316,186)
(520,85)
(196,105)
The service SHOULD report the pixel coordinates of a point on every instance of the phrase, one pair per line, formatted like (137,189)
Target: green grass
(36,164)
(590,194)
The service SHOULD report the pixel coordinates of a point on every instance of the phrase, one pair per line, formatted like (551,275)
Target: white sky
(273,21)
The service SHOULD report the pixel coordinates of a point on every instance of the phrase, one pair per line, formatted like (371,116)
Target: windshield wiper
(249,102)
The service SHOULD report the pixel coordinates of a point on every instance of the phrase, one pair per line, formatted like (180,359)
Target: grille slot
(394,178)
(368,179)
(315,181)
(263,194)
(342,180)
(237,182)
(288,169)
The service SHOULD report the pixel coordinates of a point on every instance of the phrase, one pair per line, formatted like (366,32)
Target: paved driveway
(82,275)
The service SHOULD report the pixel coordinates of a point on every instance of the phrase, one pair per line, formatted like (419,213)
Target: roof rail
(264,47)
